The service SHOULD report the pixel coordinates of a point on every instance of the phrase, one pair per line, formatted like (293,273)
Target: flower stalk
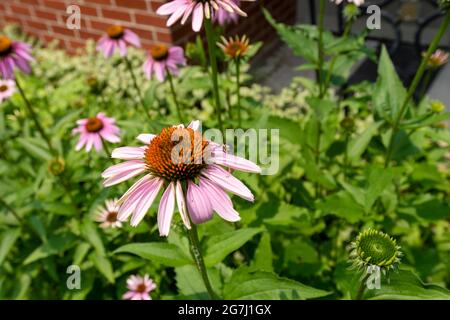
(214,73)
(198,257)
(139,93)
(174,95)
(238,89)
(413,87)
(34,117)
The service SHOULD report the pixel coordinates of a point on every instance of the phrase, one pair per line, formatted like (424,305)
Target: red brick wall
(46,19)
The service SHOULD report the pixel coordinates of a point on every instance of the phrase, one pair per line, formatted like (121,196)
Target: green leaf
(390,93)
(218,247)
(165,253)
(190,283)
(7,241)
(263,254)
(358,144)
(55,245)
(260,285)
(378,179)
(89,231)
(103,265)
(405,285)
(35,147)
(343,205)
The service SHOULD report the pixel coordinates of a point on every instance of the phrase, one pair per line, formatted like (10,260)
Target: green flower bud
(56,166)
(374,248)
(348,124)
(351,11)
(437,106)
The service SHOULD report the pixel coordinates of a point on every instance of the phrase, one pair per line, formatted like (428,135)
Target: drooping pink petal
(181,203)
(146,137)
(199,206)
(146,201)
(236,163)
(165,211)
(220,201)
(227,181)
(197,17)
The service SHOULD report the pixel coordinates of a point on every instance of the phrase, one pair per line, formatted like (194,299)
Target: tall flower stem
(139,93)
(348,27)
(214,73)
(362,287)
(322,89)
(174,95)
(320,49)
(238,89)
(425,84)
(420,72)
(34,117)
(197,255)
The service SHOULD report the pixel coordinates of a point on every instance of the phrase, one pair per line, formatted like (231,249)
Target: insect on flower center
(112,216)
(176,154)
(94,124)
(5,45)
(159,52)
(3,88)
(115,32)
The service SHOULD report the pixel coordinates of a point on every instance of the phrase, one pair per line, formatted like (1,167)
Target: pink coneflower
(234,47)
(107,215)
(7,88)
(162,59)
(223,17)
(93,130)
(437,59)
(14,54)
(117,37)
(356,2)
(139,288)
(197,168)
(182,9)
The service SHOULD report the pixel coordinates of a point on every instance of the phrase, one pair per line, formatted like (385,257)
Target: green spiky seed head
(375,248)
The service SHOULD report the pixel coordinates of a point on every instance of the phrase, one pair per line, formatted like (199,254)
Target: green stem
(348,27)
(197,255)
(426,83)
(107,151)
(138,91)
(320,48)
(10,209)
(362,287)
(174,95)
(35,118)
(238,89)
(347,139)
(422,68)
(214,73)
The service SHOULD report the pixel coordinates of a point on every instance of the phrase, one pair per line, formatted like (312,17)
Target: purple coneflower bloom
(163,59)
(93,130)
(199,170)
(7,88)
(437,59)
(107,215)
(14,54)
(139,288)
(182,9)
(356,2)
(223,17)
(117,37)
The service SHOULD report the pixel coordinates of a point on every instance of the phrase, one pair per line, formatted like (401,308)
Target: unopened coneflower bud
(373,248)
(351,11)
(57,166)
(437,59)
(348,124)
(437,106)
